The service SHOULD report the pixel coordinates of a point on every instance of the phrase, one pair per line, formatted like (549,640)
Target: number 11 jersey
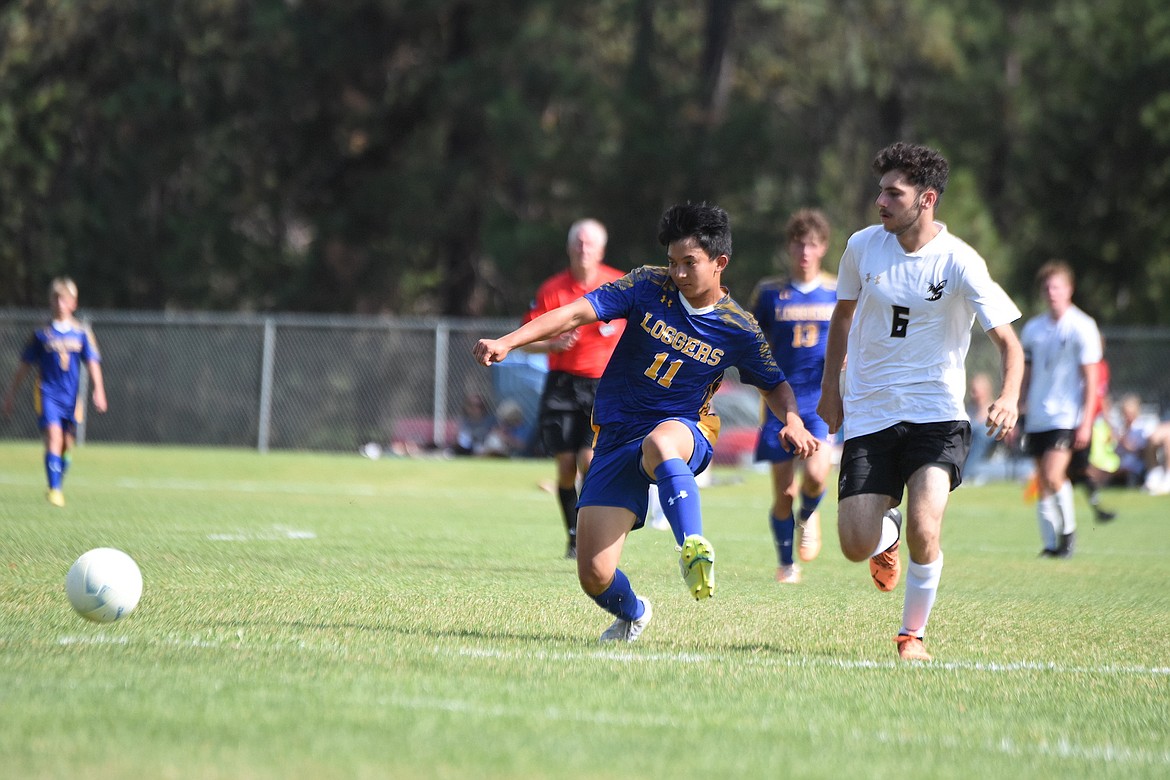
(672,357)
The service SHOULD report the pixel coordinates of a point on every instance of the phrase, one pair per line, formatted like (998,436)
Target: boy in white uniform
(1062,350)
(907,294)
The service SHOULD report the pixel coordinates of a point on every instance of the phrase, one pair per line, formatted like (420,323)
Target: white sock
(921,588)
(1048,519)
(890,534)
(1068,511)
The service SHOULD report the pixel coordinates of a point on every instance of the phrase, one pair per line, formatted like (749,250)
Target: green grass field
(334,617)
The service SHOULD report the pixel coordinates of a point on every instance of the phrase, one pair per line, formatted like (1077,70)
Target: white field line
(277,533)
(624,657)
(239,641)
(289,488)
(805,663)
(1063,749)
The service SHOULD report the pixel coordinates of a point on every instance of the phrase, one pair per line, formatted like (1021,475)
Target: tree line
(428,156)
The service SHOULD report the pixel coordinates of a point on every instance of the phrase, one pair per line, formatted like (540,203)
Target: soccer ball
(104,585)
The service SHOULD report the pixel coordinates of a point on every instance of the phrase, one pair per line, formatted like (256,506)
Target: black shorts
(882,462)
(1040,442)
(566,412)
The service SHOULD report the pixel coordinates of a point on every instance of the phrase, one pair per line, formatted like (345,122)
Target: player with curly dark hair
(908,292)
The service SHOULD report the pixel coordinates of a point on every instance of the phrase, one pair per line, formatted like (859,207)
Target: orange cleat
(910,648)
(886,568)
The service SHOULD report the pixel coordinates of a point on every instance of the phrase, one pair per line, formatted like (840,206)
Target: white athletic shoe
(628,630)
(789,575)
(810,538)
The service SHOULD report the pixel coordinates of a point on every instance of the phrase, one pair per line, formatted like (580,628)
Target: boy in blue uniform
(57,352)
(652,415)
(794,312)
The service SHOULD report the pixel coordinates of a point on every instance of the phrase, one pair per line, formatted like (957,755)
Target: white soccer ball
(104,585)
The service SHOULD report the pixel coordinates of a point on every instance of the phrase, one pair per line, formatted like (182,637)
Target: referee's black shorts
(566,412)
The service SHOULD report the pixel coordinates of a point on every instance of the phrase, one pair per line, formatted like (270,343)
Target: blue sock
(809,504)
(54,470)
(619,599)
(782,532)
(679,494)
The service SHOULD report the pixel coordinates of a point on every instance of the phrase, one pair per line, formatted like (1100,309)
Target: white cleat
(789,575)
(628,630)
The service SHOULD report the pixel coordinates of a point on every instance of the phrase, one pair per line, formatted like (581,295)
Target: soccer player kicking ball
(652,412)
(908,292)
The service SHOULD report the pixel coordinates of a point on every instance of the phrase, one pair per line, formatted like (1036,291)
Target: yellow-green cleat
(56,497)
(697,564)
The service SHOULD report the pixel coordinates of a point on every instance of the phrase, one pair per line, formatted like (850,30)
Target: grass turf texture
(329,616)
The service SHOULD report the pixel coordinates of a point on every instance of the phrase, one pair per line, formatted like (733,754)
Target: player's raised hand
(488,351)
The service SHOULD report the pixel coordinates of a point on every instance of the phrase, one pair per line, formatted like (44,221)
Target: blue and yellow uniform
(57,351)
(667,365)
(795,320)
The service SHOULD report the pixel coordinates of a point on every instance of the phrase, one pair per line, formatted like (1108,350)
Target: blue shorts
(52,412)
(616,478)
(768,447)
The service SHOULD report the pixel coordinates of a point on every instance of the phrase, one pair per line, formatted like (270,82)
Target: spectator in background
(1062,356)
(475,425)
(794,312)
(56,352)
(1143,446)
(511,436)
(979,400)
(575,362)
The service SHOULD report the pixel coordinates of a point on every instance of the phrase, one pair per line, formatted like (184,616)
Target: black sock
(568,497)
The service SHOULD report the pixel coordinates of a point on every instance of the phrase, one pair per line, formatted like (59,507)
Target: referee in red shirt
(575,361)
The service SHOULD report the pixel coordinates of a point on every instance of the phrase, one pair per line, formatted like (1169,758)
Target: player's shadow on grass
(541,639)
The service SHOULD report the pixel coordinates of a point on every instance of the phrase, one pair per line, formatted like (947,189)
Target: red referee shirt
(596,342)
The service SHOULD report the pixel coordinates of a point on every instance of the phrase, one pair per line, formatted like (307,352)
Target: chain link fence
(334,383)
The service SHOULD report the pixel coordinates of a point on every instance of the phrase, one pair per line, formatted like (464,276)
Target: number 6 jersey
(912,327)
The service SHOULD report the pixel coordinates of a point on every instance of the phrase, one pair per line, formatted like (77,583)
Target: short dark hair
(708,224)
(806,221)
(922,166)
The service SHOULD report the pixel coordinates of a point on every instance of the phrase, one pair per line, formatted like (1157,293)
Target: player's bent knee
(593,579)
(854,552)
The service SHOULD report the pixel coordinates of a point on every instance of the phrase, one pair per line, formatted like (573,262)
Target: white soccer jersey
(912,327)
(1055,350)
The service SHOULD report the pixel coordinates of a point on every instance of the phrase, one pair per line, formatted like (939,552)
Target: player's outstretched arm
(1004,412)
(794,437)
(546,326)
(830,407)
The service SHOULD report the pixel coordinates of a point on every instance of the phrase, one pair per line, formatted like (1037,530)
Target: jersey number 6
(901,320)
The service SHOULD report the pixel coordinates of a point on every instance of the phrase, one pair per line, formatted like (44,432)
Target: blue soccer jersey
(671,358)
(796,325)
(58,350)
